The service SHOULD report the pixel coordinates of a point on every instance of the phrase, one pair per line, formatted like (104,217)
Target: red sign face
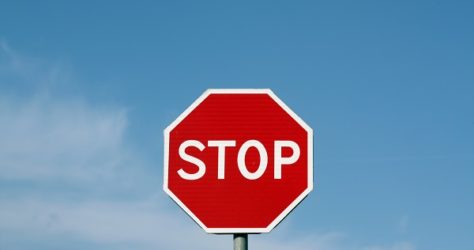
(238,161)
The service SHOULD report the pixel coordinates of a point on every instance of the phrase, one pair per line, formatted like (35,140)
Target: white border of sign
(239,91)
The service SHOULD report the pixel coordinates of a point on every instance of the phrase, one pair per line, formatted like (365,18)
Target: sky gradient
(87,88)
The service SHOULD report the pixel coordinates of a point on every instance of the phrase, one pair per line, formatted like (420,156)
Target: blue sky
(87,88)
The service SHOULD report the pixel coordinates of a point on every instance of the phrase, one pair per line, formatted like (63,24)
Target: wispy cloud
(47,137)
(42,138)
(141,224)
(32,72)
(403,223)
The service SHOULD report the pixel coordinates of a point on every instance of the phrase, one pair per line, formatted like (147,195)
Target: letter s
(189,158)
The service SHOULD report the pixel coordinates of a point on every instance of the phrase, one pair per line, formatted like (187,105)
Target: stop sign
(238,161)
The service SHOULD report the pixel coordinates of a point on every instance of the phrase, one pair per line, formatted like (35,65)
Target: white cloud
(41,138)
(142,224)
(46,137)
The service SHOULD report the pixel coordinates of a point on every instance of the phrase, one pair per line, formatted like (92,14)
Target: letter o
(263,159)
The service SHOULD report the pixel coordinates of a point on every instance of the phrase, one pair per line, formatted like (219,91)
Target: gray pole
(241,242)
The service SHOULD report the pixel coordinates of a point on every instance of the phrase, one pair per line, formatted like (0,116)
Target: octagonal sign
(238,160)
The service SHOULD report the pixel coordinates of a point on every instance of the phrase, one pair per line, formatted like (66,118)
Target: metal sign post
(241,242)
